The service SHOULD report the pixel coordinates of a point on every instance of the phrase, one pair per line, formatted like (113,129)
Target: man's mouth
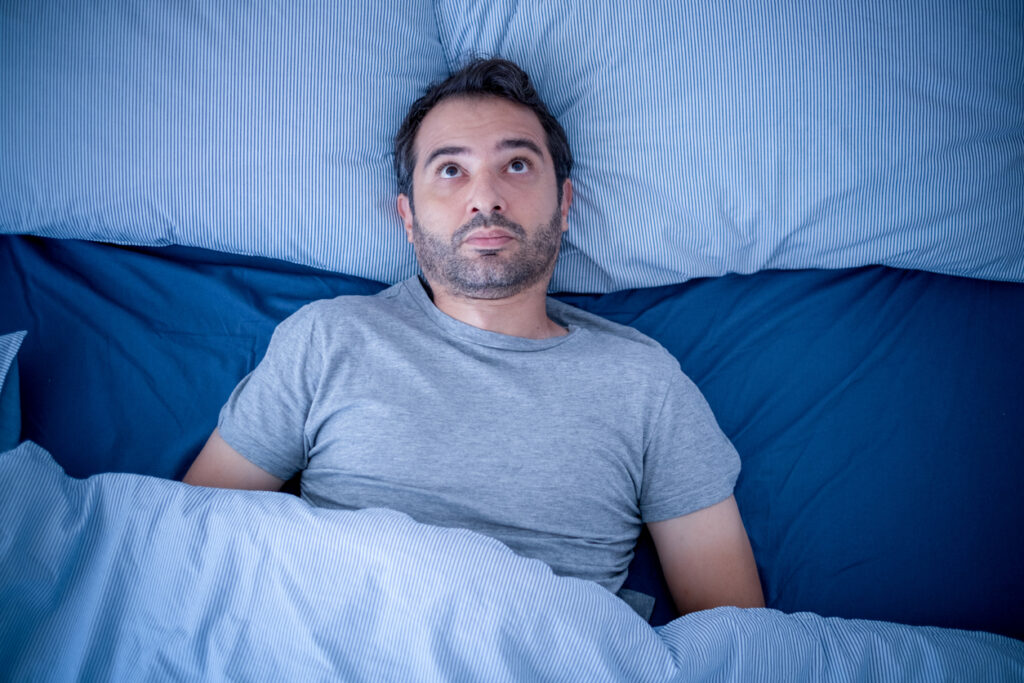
(488,232)
(488,238)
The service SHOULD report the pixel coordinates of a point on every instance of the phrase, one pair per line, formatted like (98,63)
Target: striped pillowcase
(716,137)
(10,394)
(262,129)
(710,137)
(9,345)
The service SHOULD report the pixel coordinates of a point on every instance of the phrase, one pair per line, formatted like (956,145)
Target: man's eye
(449,171)
(519,166)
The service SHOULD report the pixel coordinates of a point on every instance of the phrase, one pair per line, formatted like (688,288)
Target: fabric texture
(279,590)
(385,401)
(10,395)
(710,138)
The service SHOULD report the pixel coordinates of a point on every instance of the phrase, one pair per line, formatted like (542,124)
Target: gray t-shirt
(560,448)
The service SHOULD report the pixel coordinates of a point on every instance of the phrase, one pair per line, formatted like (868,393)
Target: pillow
(10,400)
(718,137)
(710,137)
(259,129)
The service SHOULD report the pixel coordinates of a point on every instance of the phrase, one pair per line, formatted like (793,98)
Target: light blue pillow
(710,137)
(255,128)
(715,137)
(10,397)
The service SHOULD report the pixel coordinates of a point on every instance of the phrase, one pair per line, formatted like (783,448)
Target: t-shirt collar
(416,289)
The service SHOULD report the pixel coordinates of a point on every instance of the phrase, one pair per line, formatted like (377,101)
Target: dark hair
(481,77)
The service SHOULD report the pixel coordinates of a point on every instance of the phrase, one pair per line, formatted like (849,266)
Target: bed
(818,210)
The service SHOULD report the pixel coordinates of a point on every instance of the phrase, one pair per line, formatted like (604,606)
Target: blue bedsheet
(130,577)
(878,412)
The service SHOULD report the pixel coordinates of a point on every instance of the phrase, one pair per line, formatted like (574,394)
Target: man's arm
(221,466)
(707,559)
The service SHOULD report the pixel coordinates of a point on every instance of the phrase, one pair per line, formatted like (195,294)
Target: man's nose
(486,195)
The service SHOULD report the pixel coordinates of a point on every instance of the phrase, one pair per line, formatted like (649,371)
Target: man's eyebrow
(507,143)
(444,151)
(518,143)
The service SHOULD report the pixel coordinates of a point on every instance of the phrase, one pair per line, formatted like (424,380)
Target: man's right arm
(221,466)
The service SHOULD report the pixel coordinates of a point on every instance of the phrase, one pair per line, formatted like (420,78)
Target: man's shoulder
(621,341)
(346,310)
(347,304)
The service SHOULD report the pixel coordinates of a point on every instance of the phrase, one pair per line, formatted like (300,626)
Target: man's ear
(566,201)
(405,211)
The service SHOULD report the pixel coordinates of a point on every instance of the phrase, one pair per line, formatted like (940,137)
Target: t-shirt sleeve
(689,463)
(265,417)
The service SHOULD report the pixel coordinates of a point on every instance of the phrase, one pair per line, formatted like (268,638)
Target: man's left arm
(707,559)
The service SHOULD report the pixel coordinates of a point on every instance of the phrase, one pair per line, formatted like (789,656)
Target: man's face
(488,223)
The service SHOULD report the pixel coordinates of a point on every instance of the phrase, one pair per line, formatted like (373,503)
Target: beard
(489,274)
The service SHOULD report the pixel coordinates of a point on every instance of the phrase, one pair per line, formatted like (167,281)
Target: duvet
(131,577)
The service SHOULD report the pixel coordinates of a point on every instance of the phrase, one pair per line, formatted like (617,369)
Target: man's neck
(522,315)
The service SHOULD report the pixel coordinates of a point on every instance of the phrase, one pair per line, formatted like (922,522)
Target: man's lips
(488,239)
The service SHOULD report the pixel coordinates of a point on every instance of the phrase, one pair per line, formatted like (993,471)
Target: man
(469,399)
